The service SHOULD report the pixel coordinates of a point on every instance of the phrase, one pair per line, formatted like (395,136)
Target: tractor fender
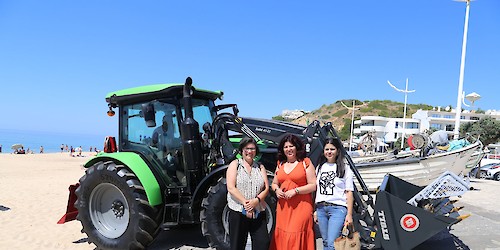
(205,183)
(139,167)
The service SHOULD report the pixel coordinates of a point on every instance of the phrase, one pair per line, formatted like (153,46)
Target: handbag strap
(350,229)
(345,231)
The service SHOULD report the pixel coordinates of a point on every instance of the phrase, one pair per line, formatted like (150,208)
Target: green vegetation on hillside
(340,115)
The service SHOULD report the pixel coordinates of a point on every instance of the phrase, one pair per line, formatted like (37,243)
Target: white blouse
(249,185)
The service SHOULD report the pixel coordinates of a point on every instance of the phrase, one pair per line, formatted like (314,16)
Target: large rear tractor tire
(113,208)
(214,215)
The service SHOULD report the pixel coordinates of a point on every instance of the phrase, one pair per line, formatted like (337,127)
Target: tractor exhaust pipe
(186,99)
(191,139)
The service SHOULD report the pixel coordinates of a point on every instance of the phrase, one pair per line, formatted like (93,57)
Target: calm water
(51,141)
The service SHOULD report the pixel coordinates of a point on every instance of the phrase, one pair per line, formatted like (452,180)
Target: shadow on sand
(189,235)
(3,208)
(443,241)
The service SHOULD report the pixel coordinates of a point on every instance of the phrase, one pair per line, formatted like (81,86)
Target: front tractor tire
(113,208)
(214,215)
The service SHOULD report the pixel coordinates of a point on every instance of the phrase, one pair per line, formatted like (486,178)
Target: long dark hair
(299,145)
(339,160)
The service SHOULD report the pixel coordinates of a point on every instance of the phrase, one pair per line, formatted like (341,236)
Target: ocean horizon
(51,141)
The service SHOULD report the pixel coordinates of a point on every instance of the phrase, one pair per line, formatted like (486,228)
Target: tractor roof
(156,91)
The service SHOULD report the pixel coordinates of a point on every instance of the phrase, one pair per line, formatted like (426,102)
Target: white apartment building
(293,114)
(445,120)
(390,130)
(387,130)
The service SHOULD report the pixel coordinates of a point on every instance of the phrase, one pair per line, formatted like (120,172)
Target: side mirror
(148,110)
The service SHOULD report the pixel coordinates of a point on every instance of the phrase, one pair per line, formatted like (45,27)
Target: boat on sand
(421,170)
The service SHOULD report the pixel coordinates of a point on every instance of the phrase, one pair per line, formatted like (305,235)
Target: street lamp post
(472,97)
(458,110)
(406,91)
(352,120)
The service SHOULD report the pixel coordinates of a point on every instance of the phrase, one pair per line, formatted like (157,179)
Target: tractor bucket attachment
(71,211)
(401,225)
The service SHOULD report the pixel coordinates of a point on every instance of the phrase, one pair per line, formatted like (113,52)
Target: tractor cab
(152,129)
(150,125)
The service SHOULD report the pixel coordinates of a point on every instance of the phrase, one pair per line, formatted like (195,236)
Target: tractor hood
(156,91)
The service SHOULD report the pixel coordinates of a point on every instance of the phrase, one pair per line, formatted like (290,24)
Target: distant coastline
(51,141)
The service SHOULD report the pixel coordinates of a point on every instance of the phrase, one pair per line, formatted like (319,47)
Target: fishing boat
(421,170)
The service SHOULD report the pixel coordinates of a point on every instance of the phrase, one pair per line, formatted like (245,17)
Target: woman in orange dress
(294,181)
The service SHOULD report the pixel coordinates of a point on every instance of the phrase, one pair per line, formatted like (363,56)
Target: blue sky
(59,59)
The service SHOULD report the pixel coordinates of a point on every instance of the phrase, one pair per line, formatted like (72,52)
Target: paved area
(480,231)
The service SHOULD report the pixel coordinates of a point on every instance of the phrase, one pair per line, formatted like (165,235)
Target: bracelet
(296,190)
(258,198)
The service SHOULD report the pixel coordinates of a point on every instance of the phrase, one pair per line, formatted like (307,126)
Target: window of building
(435,116)
(448,116)
(412,125)
(436,126)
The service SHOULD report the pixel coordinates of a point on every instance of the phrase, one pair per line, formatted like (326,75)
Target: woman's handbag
(348,239)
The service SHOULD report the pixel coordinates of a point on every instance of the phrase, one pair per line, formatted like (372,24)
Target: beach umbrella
(17,146)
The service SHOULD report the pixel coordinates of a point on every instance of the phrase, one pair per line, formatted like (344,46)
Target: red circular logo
(409,222)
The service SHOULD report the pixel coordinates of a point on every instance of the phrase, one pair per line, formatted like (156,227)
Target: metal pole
(352,122)
(404,116)
(458,110)
(352,126)
(406,91)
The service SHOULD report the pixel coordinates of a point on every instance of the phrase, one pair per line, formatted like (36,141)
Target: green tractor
(168,169)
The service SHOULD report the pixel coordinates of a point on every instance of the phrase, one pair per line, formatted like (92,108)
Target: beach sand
(33,197)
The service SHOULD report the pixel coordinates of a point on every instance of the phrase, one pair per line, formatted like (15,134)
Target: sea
(51,141)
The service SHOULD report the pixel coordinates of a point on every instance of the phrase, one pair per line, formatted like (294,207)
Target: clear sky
(59,59)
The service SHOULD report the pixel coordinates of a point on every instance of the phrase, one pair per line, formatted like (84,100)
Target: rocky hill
(340,116)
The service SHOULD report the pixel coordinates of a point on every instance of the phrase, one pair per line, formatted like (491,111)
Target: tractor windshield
(160,143)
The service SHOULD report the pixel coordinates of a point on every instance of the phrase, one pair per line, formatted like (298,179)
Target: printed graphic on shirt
(326,184)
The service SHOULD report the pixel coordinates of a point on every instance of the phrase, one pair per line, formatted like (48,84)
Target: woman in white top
(247,187)
(334,199)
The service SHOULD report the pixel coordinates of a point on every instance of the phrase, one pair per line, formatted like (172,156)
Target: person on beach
(247,187)
(62,148)
(293,183)
(41,149)
(334,198)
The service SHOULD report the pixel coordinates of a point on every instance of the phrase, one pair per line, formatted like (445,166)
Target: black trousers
(240,226)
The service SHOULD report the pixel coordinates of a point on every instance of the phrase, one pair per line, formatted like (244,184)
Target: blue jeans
(330,221)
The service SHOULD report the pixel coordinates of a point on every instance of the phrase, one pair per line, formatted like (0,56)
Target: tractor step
(174,206)
(171,214)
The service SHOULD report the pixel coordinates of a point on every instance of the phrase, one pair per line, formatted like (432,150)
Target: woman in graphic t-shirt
(334,199)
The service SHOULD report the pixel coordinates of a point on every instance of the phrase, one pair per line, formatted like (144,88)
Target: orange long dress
(294,222)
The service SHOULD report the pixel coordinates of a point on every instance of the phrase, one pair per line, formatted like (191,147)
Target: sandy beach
(34,193)
(33,197)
